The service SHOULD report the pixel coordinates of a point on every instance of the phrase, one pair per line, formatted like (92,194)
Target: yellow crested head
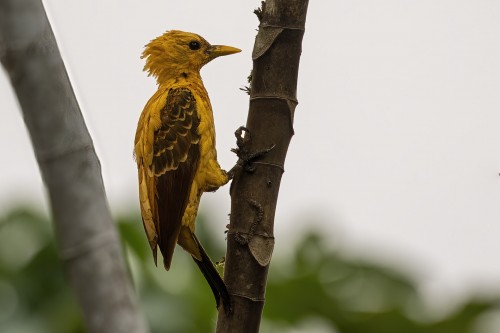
(177,53)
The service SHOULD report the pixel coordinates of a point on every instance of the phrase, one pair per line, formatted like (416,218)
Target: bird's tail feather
(213,278)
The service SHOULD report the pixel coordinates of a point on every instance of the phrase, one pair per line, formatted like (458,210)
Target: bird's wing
(175,160)
(143,154)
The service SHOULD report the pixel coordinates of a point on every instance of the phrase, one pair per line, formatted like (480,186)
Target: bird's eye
(194,45)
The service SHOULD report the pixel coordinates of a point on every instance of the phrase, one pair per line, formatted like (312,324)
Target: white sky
(397,144)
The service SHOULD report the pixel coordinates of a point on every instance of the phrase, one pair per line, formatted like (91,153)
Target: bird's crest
(170,54)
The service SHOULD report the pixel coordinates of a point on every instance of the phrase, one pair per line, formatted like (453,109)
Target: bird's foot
(245,156)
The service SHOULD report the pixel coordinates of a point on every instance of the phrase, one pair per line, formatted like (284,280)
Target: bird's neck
(178,76)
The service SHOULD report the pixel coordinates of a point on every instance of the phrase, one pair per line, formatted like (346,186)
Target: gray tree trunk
(254,195)
(87,238)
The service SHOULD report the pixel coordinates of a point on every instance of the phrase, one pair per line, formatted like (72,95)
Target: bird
(175,150)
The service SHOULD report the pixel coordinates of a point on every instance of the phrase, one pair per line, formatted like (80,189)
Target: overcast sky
(397,144)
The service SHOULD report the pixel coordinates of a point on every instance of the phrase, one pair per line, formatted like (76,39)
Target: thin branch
(87,238)
(254,191)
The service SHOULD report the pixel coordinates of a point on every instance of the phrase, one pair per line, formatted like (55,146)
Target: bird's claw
(245,156)
(240,140)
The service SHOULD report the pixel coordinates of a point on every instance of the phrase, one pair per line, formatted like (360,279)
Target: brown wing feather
(175,160)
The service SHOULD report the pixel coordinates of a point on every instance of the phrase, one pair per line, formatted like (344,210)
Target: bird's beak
(215,51)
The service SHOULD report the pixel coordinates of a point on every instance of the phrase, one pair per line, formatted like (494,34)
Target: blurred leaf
(315,289)
(43,300)
(133,236)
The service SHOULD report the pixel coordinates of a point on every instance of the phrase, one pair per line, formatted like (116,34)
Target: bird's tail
(213,278)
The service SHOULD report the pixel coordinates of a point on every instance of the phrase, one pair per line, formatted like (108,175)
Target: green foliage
(34,297)
(314,290)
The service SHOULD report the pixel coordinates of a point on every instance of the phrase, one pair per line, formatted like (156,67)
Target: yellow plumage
(175,148)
